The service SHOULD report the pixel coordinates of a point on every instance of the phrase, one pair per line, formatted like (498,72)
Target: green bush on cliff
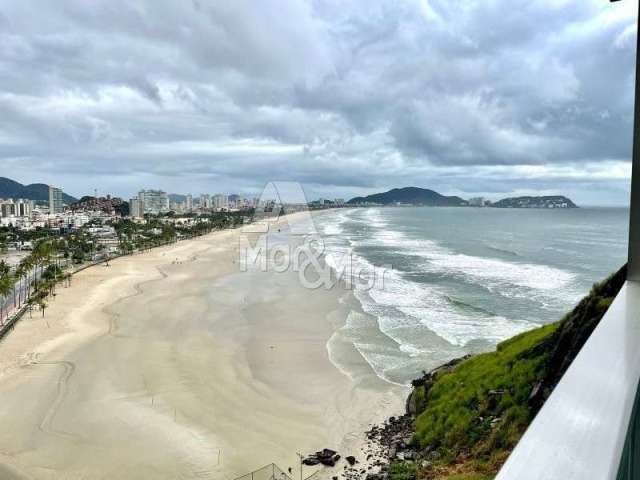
(402,471)
(464,407)
(471,415)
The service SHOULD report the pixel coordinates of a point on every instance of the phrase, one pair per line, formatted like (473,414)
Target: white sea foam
(332,225)
(374,218)
(494,274)
(405,308)
(499,272)
(430,306)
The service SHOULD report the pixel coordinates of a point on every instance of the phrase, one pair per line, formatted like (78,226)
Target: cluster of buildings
(323,203)
(478,202)
(27,214)
(54,214)
(156,202)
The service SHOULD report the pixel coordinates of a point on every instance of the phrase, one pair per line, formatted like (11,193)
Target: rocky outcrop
(395,437)
(426,381)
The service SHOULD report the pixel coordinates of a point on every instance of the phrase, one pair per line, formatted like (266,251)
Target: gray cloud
(347,97)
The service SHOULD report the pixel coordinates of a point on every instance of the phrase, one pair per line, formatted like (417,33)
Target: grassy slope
(471,416)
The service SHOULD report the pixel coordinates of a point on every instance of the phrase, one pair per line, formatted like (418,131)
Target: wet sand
(173,364)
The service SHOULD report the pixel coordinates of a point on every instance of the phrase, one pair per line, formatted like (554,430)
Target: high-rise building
(55,200)
(154,201)
(220,201)
(189,203)
(136,208)
(205,201)
(16,208)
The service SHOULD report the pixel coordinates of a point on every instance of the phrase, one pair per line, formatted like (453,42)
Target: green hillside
(471,415)
(411,196)
(38,192)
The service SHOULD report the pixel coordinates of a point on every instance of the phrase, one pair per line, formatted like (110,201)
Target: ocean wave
(502,250)
(499,272)
(374,218)
(332,225)
(431,306)
(423,319)
(469,306)
(492,273)
(382,361)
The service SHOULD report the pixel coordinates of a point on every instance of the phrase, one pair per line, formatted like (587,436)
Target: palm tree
(5,271)
(42,257)
(26,267)
(22,272)
(6,286)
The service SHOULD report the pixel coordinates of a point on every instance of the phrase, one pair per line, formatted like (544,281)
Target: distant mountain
(35,191)
(553,201)
(412,196)
(177,198)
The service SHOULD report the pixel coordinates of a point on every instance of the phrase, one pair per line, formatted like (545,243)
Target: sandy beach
(174,364)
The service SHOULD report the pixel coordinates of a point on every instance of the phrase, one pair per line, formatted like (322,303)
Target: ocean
(460,280)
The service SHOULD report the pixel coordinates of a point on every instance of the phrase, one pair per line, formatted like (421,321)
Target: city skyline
(345,99)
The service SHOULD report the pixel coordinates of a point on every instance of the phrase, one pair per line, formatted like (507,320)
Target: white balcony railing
(581,431)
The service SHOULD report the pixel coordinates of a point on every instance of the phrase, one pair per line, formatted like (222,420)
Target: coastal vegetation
(412,196)
(470,414)
(53,254)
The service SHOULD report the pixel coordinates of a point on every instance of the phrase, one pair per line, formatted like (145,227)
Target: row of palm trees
(34,279)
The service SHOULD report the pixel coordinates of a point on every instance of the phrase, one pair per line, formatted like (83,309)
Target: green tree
(6,287)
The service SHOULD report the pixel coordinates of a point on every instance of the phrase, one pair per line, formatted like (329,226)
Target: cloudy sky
(477,97)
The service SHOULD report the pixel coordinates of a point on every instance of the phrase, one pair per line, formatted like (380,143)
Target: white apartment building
(154,201)
(16,208)
(136,208)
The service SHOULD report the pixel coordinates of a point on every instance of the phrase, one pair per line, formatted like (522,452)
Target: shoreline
(203,379)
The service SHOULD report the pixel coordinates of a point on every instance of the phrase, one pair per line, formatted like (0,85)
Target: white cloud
(348,96)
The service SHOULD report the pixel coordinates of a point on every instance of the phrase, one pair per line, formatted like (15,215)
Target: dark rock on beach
(326,457)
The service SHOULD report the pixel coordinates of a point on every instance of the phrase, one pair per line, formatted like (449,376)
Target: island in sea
(553,201)
(414,196)
(410,196)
